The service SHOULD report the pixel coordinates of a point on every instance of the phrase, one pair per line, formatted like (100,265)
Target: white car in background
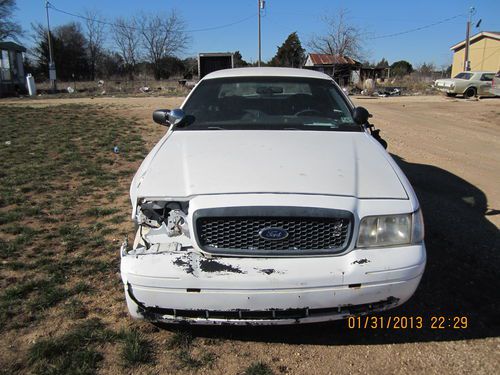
(268,201)
(468,84)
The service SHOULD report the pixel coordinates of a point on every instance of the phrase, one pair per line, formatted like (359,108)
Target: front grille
(242,233)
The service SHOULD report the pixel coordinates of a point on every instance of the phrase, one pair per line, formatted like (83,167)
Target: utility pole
(260,5)
(52,65)
(472,11)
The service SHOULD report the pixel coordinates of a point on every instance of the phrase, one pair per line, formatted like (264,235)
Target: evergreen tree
(238,60)
(290,54)
(383,63)
(401,68)
(70,51)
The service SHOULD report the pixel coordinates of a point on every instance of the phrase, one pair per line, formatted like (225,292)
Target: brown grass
(115,87)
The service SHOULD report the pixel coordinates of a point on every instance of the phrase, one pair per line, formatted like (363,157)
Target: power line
(246,19)
(416,29)
(136,28)
(222,26)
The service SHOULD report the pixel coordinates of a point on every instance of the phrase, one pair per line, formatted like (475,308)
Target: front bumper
(176,286)
(448,90)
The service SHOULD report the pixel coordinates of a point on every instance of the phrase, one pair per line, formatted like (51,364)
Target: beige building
(484,53)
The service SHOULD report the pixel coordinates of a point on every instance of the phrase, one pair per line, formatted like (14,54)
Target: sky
(281,17)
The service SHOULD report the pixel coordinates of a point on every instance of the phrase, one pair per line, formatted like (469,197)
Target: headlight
(391,230)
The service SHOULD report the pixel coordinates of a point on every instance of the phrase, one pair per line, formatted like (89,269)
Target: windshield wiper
(215,128)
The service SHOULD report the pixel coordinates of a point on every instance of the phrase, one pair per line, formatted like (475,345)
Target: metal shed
(340,68)
(11,69)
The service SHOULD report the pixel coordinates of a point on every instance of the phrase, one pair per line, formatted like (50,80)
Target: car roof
(266,72)
(478,72)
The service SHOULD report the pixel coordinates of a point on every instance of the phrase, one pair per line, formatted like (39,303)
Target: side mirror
(167,117)
(160,116)
(176,116)
(360,115)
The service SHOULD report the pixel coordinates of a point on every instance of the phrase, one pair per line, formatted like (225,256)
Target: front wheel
(451,94)
(470,93)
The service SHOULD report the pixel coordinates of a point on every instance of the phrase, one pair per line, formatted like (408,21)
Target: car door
(495,85)
(484,87)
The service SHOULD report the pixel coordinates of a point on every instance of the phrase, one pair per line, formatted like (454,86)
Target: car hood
(189,163)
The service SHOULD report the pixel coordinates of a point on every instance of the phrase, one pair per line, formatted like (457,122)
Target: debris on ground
(388,91)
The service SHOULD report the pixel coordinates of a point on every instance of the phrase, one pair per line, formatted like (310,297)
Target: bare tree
(95,32)
(340,38)
(8,27)
(162,36)
(126,36)
(426,69)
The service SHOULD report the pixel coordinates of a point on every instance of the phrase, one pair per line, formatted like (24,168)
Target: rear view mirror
(269,90)
(360,115)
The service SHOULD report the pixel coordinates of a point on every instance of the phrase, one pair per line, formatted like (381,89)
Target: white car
(468,84)
(267,201)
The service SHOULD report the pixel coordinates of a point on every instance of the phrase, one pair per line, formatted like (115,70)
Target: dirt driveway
(456,135)
(450,151)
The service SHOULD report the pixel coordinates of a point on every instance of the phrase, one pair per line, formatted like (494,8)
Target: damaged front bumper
(178,284)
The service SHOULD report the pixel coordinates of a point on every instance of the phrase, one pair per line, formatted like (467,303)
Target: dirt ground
(450,151)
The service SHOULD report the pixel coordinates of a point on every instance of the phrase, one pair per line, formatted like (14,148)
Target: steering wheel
(307,112)
(251,114)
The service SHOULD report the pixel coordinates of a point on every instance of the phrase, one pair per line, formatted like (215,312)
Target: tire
(470,93)
(451,94)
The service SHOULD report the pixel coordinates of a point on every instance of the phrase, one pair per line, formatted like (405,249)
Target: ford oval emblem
(273,233)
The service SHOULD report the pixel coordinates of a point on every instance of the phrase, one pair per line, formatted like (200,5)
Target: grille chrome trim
(235,230)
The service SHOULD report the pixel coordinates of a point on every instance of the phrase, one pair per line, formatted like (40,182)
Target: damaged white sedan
(270,200)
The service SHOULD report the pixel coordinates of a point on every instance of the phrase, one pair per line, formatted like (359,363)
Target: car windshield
(464,75)
(271,103)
